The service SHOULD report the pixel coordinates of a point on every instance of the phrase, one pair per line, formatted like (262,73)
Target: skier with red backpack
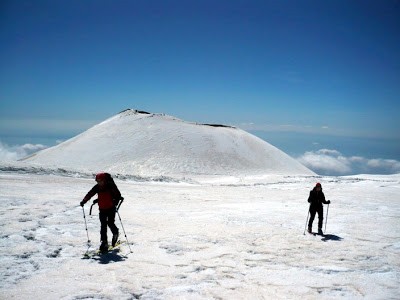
(108,199)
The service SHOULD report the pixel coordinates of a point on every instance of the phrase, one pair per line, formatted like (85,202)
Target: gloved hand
(329,201)
(117,200)
(95,201)
(82,203)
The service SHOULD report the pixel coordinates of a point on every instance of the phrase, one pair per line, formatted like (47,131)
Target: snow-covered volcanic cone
(145,144)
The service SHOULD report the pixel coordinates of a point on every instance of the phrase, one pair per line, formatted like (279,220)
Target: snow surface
(209,212)
(219,238)
(147,144)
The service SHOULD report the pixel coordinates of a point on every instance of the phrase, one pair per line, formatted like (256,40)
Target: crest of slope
(145,144)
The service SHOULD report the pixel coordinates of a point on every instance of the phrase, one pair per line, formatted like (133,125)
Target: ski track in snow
(219,238)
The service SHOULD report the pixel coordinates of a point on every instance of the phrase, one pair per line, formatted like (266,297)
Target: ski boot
(103,247)
(115,238)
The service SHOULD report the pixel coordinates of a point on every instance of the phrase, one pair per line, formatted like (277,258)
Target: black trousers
(313,211)
(107,218)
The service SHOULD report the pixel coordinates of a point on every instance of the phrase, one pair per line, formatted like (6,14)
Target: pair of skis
(98,252)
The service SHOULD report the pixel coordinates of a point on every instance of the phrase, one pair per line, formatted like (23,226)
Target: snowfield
(206,238)
(210,212)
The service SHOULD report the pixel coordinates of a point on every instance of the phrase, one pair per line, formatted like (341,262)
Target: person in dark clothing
(316,199)
(108,198)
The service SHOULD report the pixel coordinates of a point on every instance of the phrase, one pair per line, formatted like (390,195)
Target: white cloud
(389,164)
(329,152)
(325,161)
(332,162)
(13,153)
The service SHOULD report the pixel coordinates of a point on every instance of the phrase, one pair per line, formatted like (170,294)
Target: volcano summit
(147,144)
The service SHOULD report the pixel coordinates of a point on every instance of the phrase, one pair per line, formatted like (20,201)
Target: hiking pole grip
(94,202)
(119,204)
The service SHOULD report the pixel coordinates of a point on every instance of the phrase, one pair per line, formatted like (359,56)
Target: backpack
(113,187)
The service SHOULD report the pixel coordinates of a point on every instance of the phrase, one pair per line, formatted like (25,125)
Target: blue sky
(281,69)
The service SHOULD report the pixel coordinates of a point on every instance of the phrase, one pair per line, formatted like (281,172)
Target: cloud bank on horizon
(15,152)
(323,162)
(332,162)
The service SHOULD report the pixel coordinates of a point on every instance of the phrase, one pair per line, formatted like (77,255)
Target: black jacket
(317,198)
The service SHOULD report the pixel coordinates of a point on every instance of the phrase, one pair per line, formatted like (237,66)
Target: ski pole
(307,220)
(87,232)
(116,209)
(326,220)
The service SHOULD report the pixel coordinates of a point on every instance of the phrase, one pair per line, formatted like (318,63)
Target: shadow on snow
(112,256)
(331,237)
(109,257)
